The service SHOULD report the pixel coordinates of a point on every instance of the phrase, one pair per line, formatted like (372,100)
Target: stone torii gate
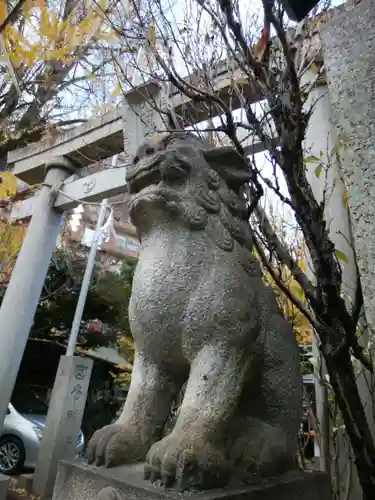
(55,163)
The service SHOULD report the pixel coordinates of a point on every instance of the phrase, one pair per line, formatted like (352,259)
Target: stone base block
(22,482)
(4,484)
(76,481)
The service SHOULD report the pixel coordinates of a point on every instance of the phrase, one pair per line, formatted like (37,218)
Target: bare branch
(12,16)
(282,285)
(283,254)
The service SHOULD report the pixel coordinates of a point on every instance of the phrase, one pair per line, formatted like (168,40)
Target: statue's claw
(185,461)
(97,444)
(116,445)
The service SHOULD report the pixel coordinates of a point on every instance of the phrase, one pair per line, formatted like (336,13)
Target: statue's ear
(230,165)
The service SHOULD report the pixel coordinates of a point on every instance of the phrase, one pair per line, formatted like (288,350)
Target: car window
(26,401)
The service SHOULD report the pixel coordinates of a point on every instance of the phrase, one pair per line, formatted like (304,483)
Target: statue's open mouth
(143,178)
(145,183)
(157,173)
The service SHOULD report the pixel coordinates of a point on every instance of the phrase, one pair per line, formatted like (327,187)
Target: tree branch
(12,16)
(284,255)
(282,285)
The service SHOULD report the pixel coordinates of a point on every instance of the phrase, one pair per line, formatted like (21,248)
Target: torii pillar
(23,292)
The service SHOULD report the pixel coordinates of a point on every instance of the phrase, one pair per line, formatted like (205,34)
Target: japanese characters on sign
(80,372)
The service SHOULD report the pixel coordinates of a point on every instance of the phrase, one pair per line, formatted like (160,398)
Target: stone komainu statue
(200,312)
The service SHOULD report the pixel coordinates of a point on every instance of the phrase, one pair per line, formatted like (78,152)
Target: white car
(20,441)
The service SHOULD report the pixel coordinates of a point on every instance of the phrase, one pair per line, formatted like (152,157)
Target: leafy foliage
(300,324)
(48,35)
(107,303)
(8,185)
(11,236)
(125,342)
(48,50)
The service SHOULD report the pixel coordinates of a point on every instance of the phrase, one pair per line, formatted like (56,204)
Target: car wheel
(12,455)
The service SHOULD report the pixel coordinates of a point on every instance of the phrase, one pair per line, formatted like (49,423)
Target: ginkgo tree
(300,324)
(11,233)
(11,237)
(49,57)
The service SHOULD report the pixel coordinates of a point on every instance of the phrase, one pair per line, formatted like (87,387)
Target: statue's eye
(150,151)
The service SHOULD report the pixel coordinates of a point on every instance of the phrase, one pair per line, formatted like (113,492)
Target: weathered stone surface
(200,312)
(141,121)
(349,48)
(4,484)
(78,482)
(63,420)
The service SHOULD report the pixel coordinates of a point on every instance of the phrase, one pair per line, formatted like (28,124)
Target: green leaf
(341,256)
(318,170)
(311,159)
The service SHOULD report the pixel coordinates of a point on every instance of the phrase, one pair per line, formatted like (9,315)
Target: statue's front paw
(186,460)
(115,444)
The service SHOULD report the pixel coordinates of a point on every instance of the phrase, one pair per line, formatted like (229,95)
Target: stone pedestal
(4,484)
(76,481)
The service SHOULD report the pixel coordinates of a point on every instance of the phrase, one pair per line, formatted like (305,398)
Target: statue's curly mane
(222,195)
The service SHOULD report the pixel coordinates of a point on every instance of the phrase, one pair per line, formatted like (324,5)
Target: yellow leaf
(48,36)
(341,256)
(11,237)
(314,68)
(3,10)
(302,264)
(44,23)
(116,91)
(345,197)
(151,34)
(157,137)
(8,185)
(242,81)
(301,326)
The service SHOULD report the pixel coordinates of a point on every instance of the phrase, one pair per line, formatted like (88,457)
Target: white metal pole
(86,280)
(87,276)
